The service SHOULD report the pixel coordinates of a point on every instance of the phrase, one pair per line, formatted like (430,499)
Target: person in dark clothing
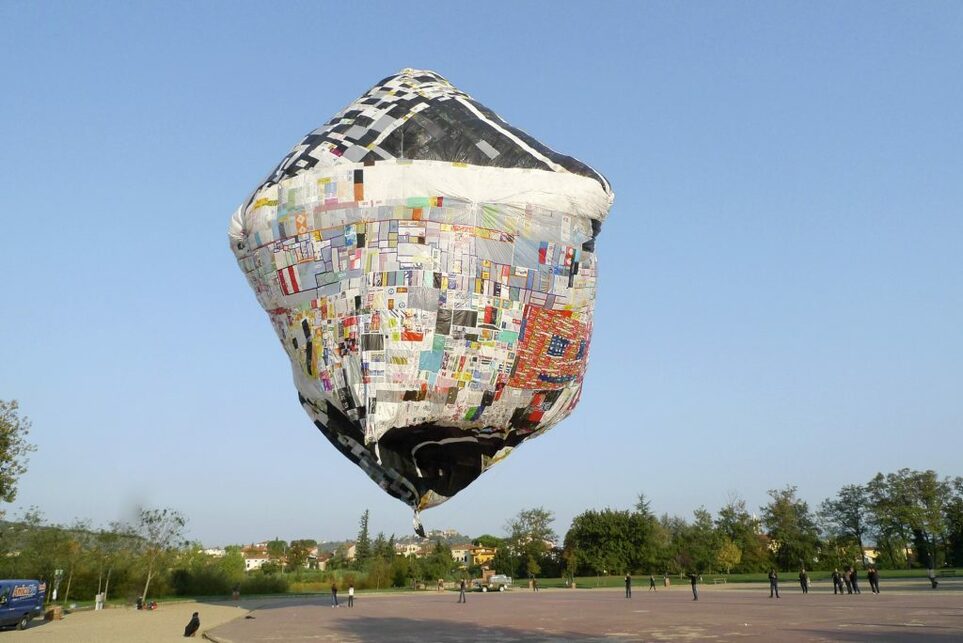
(192,626)
(334,594)
(804,581)
(854,579)
(848,579)
(461,592)
(773,583)
(628,586)
(837,582)
(651,583)
(694,579)
(873,576)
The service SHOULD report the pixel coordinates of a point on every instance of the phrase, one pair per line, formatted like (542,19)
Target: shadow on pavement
(420,630)
(892,634)
(274,602)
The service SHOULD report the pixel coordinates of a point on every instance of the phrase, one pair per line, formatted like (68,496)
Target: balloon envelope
(430,271)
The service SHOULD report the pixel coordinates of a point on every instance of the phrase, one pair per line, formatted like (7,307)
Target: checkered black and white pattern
(419,115)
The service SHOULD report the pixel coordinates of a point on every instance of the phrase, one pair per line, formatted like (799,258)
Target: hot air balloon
(430,271)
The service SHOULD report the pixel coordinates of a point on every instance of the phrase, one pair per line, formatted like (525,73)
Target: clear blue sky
(781,287)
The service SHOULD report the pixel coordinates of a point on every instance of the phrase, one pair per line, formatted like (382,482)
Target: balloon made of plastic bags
(430,271)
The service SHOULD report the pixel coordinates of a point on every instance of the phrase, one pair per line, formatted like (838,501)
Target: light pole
(58,576)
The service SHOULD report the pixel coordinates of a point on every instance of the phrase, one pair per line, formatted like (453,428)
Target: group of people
(334,595)
(850,578)
(693,579)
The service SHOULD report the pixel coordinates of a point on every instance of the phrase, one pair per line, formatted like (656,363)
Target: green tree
(599,541)
(954,523)
(363,542)
(927,498)
(736,523)
(791,528)
(703,541)
(909,508)
(438,563)
(277,552)
(729,555)
(379,572)
(610,541)
(297,554)
(379,548)
(232,564)
(13,448)
(530,539)
(160,531)
(76,544)
(400,571)
(887,520)
(40,547)
(844,517)
(109,546)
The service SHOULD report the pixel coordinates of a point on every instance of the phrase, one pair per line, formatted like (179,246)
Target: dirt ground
(903,612)
(126,625)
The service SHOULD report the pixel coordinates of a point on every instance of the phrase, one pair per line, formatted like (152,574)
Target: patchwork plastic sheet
(430,271)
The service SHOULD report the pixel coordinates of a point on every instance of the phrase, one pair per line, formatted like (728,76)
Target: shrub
(200,582)
(264,584)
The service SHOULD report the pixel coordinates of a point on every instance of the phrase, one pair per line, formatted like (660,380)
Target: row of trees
(912,518)
(77,560)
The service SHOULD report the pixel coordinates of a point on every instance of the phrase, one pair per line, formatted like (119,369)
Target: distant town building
(409,549)
(323,559)
(255,556)
(462,554)
(482,555)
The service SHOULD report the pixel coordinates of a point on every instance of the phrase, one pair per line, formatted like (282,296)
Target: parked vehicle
(20,601)
(500,582)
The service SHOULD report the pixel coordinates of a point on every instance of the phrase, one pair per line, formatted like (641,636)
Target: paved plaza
(721,614)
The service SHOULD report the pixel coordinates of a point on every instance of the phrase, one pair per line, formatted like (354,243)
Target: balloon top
(419,115)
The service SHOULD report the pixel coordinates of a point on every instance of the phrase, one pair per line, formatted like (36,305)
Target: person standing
(334,594)
(773,583)
(848,579)
(351,595)
(931,574)
(854,579)
(628,586)
(804,581)
(873,575)
(694,579)
(534,584)
(837,582)
(461,592)
(651,583)
(666,581)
